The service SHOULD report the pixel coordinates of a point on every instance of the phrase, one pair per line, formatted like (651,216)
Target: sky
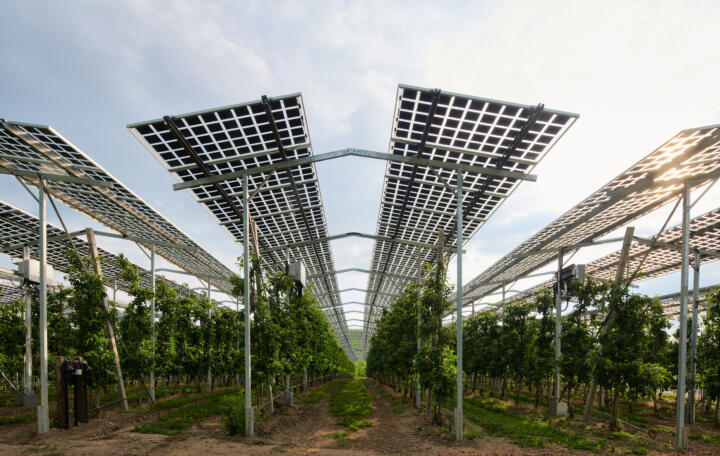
(637,72)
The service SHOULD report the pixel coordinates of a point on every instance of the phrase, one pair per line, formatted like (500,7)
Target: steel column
(249,425)
(27,372)
(43,413)
(152,322)
(680,432)
(459,321)
(209,371)
(558,330)
(418,389)
(237,339)
(693,340)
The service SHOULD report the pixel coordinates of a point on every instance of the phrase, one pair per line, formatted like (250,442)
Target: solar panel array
(20,227)
(416,201)
(38,148)
(704,234)
(655,261)
(286,205)
(653,181)
(671,302)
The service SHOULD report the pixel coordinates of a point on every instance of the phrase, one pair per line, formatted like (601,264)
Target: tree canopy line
(511,350)
(290,333)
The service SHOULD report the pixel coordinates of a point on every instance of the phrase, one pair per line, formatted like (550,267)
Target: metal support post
(680,431)
(29,398)
(418,389)
(249,425)
(237,339)
(153,336)
(693,340)
(209,371)
(43,413)
(459,392)
(558,332)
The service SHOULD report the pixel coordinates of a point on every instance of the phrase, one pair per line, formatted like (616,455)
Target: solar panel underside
(286,205)
(647,185)
(416,201)
(39,148)
(656,261)
(9,292)
(19,227)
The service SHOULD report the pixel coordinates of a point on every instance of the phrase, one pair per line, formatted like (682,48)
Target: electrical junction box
(30,270)
(573,272)
(297,271)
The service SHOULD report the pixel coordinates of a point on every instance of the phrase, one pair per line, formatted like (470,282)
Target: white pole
(43,415)
(459,392)
(680,434)
(209,371)
(27,372)
(153,336)
(249,418)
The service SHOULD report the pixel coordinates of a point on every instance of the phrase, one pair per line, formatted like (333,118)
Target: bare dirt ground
(306,429)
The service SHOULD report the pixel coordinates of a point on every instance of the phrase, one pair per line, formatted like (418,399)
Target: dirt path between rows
(306,429)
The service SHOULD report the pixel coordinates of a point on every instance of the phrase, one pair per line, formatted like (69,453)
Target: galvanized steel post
(680,434)
(249,425)
(209,371)
(693,340)
(152,322)
(43,414)
(27,372)
(558,331)
(418,389)
(459,393)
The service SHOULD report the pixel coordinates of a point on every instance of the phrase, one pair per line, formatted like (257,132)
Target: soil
(306,429)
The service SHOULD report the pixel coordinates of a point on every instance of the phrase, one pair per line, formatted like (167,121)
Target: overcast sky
(636,72)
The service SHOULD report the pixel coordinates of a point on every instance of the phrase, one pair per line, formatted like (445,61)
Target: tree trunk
(613,420)
(655,406)
(537,395)
(517,393)
(502,389)
(717,404)
(571,409)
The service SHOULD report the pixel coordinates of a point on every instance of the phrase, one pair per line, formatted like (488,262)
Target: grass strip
(523,431)
(180,419)
(316,395)
(352,404)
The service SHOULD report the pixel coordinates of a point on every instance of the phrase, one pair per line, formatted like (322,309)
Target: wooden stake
(92,246)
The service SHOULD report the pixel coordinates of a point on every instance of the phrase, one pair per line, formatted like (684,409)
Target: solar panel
(418,201)
(692,154)
(20,227)
(671,302)
(286,205)
(9,292)
(37,148)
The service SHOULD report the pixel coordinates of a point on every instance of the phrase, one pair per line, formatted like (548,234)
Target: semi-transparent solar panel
(286,205)
(41,149)
(20,227)
(416,202)
(650,183)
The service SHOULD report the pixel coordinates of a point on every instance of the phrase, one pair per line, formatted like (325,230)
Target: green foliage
(232,409)
(352,404)
(709,347)
(522,431)
(176,421)
(360,369)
